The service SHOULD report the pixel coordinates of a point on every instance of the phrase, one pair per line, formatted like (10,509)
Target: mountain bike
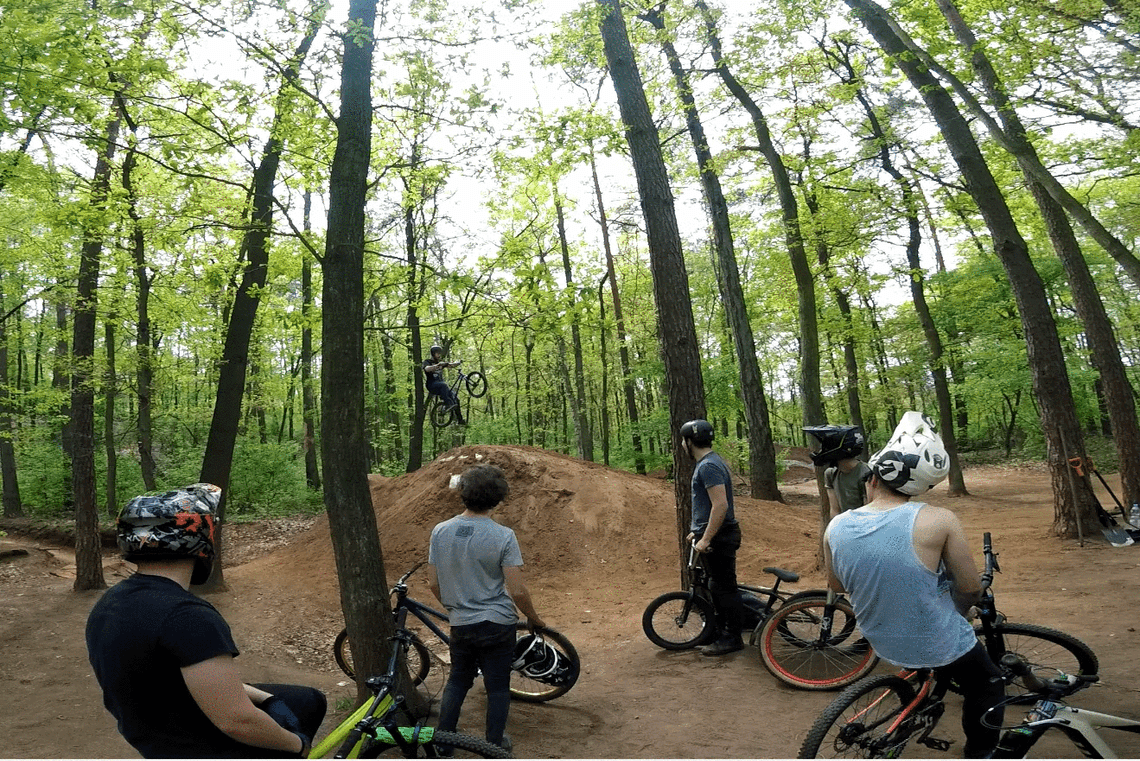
(373,728)
(877,716)
(807,639)
(443,414)
(1049,711)
(419,656)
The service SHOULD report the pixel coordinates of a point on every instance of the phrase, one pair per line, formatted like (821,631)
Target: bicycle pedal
(936,744)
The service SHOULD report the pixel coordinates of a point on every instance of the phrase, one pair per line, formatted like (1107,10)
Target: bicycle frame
(1078,724)
(376,715)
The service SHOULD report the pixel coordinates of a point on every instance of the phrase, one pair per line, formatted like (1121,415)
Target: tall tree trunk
(416,286)
(308,400)
(956,484)
(1118,396)
(217,461)
(61,383)
(1018,147)
(344,453)
(13,506)
(145,346)
(1046,360)
(619,320)
(88,545)
(676,331)
(580,406)
(761,450)
(811,393)
(602,354)
(110,391)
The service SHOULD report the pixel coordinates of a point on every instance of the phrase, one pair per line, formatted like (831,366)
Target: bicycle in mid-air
(443,414)
(806,639)
(877,716)
(533,681)
(373,729)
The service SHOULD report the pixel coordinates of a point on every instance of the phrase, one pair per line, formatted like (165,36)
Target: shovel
(1112,530)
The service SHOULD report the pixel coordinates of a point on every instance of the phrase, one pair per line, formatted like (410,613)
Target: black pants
(720,562)
(308,704)
(982,688)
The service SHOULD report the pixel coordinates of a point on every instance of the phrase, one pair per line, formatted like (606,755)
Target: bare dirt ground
(599,545)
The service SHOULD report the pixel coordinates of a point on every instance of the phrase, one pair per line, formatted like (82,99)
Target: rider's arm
(218,690)
(718,495)
(433,583)
(833,581)
(966,585)
(516,588)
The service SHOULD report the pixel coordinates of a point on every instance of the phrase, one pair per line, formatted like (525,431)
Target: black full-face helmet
(699,432)
(172,525)
(836,442)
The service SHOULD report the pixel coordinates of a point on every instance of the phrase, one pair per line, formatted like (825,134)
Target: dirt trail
(599,544)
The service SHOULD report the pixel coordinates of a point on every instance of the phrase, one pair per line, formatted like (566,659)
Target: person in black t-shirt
(433,379)
(165,658)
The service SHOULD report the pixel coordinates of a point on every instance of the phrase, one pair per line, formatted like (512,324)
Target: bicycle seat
(783,575)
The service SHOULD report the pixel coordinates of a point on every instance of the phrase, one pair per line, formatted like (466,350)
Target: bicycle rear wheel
(793,648)
(1047,651)
(441,415)
(534,691)
(678,621)
(417,657)
(462,746)
(476,384)
(857,723)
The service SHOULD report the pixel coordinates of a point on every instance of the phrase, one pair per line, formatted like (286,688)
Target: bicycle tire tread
(475,745)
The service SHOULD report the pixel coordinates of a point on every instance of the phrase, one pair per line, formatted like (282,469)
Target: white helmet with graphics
(914,460)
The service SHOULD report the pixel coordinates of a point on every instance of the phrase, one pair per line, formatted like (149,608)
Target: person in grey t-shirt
(475,570)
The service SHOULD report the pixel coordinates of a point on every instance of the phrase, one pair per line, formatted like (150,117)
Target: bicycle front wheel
(441,415)
(1047,651)
(679,621)
(857,723)
(476,384)
(793,646)
(535,691)
(417,657)
(461,746)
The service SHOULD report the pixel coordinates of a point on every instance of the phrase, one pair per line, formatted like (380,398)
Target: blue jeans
(488,647)
(443,391)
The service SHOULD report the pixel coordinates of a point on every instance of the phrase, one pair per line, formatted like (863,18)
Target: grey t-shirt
(469,555)
(850,488)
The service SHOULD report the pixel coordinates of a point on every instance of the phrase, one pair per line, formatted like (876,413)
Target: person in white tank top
(911,578)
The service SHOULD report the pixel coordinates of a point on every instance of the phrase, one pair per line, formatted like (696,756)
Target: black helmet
(837,442)
(172,525)
(536,659)
(435,348)
(700,432)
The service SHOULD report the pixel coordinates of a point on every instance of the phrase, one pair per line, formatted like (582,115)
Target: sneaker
(505,744)
(724,646)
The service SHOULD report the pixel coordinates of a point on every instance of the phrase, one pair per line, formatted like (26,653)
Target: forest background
(165,180)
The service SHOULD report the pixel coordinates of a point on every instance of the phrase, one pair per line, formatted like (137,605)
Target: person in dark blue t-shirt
(433,379)
(716,534)
(164,658)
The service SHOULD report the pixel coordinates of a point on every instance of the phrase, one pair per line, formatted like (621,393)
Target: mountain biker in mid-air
(433,380)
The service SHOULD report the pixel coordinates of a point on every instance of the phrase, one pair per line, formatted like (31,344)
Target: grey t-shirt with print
(469,555)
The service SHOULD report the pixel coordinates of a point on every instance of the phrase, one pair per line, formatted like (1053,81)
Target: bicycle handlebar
(404,579)
(1049,688)
(991,561)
